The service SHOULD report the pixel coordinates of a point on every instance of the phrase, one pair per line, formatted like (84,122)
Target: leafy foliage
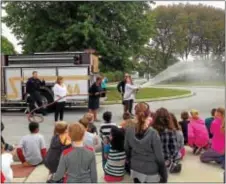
(189,29)
(183,30)
(7,47)
(115,30)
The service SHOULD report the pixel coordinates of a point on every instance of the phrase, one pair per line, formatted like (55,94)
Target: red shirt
(2,177)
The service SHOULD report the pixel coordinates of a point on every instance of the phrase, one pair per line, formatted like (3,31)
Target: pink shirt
(197,133)
(218,140)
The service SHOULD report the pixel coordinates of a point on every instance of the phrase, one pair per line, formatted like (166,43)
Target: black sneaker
(175,168)
(194,150)
(198,151)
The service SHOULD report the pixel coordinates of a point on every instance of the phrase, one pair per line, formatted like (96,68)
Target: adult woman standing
(60,91)
(144,150)
(94,97)
(121,89)
(129,95)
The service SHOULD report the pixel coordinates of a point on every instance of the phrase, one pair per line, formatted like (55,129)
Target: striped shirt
(115,165)
(105,129)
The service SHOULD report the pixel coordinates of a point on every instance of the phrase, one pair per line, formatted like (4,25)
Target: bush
(114,76)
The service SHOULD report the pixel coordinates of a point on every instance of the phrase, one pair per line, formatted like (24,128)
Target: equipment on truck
(79,70)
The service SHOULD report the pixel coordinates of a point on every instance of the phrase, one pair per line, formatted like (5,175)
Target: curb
(191,86)
(152,99)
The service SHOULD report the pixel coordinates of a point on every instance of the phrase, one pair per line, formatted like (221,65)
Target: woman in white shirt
(60,91)
(129,95)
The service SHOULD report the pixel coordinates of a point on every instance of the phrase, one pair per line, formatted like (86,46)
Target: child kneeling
(198,137)
(217,151)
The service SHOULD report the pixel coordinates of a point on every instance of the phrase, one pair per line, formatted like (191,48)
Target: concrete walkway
(192,171)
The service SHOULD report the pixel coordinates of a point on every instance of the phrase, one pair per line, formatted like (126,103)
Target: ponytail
(141,110)
(141,121)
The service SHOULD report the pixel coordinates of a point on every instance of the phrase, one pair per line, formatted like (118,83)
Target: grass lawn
(210,83)
(146,93)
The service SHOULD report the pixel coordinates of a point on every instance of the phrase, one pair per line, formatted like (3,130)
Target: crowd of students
(147,146)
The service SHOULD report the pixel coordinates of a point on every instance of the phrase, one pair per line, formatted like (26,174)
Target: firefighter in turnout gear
(33,89)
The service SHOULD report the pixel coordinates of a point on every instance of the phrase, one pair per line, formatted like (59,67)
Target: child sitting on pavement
(7,160)
(198,137)
(32,148)
(77,163)
(164,125)
(89,138)
(105,129)
(184,125)
(106,149)
(129,123)
(209,121)
(216,152)
(115,165)
(126,116)
(60,141)
(180,137)
(91,127)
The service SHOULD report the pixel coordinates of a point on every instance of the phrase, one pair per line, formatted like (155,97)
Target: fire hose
(39,118)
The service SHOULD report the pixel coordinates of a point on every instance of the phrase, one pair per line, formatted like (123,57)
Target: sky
(8,34)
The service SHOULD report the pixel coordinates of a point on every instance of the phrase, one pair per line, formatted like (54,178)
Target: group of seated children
(173,136)
(154,141)
(207,138)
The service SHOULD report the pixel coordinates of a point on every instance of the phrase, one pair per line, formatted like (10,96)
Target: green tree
(152,61)
(189,29)
(116,30)
(7,47)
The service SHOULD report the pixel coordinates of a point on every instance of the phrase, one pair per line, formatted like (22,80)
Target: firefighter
(33,89)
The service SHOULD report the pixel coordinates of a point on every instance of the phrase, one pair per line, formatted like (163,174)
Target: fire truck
(79,70)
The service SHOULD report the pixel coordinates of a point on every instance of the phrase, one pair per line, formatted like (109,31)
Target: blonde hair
(88,116)
(76,132)
(84,122)
(130,123)
(59,78)
(194,112)
(221,110)
(60,127)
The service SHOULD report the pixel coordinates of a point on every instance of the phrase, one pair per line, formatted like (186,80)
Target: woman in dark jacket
(94,97)
(59,143)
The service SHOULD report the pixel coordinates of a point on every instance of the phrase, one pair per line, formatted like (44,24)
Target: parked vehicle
(77,68)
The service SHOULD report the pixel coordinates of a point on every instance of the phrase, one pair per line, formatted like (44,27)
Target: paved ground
(204,100)
(192,171)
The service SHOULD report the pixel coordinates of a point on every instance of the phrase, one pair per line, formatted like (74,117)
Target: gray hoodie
(145,152)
